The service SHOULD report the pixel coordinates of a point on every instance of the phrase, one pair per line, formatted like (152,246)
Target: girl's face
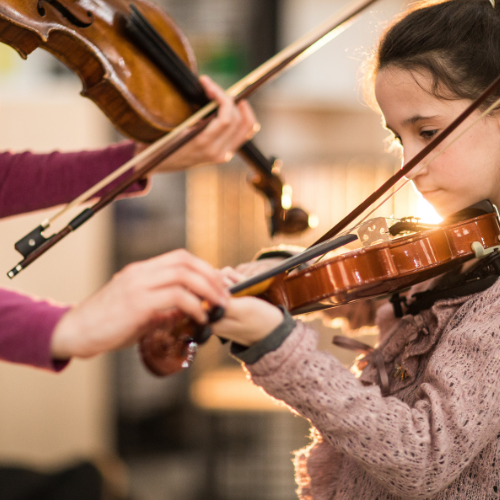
(467,172)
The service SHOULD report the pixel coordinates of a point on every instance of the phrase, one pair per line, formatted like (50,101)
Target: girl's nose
(420,169)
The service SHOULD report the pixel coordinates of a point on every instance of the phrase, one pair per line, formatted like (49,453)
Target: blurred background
(207,432)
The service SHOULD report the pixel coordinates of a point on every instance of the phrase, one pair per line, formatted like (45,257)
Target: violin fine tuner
(378,230)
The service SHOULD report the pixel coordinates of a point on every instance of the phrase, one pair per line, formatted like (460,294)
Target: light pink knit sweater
(437,435)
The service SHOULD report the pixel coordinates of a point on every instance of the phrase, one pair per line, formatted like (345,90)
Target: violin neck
(165,58)
(185,81)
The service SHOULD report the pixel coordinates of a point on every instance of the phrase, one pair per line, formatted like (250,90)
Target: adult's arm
(414,452)
(31,181)
(26,326)
(137,300)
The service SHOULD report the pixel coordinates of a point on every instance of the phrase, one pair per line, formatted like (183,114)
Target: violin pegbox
(374,231)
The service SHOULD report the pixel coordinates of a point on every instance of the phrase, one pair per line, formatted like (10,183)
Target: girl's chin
(442,204)
(435,198)
(444,209)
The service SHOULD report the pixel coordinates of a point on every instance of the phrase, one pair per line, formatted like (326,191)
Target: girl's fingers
(248,320)
(258,266)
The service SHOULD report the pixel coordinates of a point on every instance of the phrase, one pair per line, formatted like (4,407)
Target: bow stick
(36,244)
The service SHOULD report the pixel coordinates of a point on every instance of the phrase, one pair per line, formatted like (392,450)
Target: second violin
(138,67)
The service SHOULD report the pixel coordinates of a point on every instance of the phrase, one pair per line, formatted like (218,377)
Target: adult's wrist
(62,345)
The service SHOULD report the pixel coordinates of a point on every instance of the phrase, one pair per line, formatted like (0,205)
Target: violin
(377,269)
(138,67)
(387,267)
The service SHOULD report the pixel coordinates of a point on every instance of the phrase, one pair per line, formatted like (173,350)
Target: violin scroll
(170,346)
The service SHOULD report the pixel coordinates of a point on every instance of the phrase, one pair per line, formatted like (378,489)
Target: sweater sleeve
(31,181)
(26,330)
(412,451)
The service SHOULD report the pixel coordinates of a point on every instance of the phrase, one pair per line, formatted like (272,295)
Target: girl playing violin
(434,432)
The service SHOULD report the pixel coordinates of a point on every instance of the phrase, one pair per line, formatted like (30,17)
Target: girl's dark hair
(456,41)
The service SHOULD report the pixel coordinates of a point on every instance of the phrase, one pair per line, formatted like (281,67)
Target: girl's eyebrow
(410,121)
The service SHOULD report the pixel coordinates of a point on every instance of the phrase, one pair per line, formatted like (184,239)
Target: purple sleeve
(26,326)
(31,181)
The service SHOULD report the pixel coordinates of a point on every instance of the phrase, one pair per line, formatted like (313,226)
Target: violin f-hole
(76,15)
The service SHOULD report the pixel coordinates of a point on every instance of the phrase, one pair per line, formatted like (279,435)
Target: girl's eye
(428,134)
(398,139)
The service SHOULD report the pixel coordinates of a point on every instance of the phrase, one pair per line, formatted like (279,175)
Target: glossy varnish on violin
(88,36)
(386,267)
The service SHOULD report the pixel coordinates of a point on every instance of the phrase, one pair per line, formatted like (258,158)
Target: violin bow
(376,195)
(35,244)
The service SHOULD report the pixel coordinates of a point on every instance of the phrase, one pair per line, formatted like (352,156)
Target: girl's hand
(248,320)
(234,125)
(138,296)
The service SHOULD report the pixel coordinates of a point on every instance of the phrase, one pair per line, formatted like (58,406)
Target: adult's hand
(234,125)
(135,298)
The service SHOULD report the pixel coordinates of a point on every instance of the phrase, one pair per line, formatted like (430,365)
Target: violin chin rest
(295,220)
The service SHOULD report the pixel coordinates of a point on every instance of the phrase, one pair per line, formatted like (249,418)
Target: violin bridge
(374,231)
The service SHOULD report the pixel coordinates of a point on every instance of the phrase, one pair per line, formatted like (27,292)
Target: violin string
(287,57)
(403,182)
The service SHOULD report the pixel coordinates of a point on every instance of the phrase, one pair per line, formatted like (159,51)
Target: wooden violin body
(89,37)
(360,274)
(384,268)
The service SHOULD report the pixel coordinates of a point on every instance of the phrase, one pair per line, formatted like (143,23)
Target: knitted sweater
(437,435)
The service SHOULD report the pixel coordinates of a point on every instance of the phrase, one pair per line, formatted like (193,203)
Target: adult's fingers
(153,272)
(163,300)
(178,276)
(249,125)
(195,283)
(231,276)
(233,125)
(182,256)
